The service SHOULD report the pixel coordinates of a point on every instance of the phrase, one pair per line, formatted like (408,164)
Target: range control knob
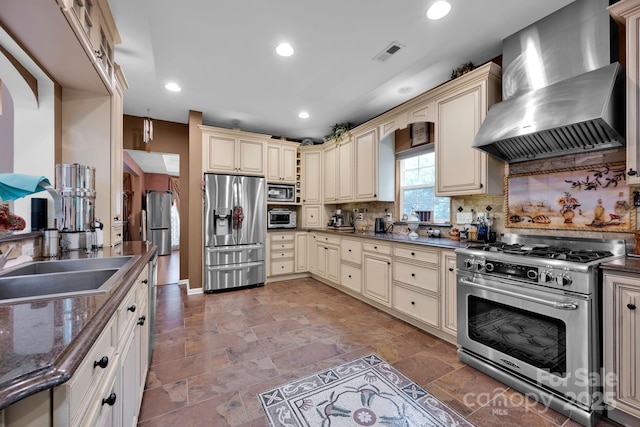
(489,267)
(546,276)
(563,280)
(532,274)
(479,265)
(468,263)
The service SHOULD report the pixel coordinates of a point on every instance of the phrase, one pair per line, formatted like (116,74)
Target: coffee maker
(343,218)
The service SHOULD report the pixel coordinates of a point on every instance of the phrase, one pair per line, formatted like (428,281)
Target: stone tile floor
(215,352)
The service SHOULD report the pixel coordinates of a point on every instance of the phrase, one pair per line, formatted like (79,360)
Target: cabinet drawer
(422,307)
(351,251)
(432,257)
(279,246)
(278,254)
(128,311)
(332,240)
(79,391)
(282,237)
(351,277)
(427,278)
(116,235)
(380,248)
(282,267)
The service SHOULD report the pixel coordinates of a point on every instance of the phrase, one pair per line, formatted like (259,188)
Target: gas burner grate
(555,252)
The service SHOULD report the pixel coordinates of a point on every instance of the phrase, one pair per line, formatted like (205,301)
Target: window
(417,187)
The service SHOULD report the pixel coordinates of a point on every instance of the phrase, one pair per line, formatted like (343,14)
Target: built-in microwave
(281,218)
(281,193)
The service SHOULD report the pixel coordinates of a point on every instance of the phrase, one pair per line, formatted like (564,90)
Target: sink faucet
(3,257)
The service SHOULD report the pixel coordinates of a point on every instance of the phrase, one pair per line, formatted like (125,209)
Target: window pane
(419,173)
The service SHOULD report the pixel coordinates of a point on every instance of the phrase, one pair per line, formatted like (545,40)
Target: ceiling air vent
(388,51)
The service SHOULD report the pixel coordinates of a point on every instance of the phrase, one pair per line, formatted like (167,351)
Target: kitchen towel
(15,186)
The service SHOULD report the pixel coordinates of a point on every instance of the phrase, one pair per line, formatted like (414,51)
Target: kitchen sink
(65,265)
(62,278)
(15,289)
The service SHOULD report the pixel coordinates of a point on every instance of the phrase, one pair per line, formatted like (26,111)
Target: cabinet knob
(141,320)
(375,247)
(631,306)
(388,263)
(349,276)
(481,185)
(632,172)
(132,308)
(102,362)
(450,268)
(145,281)
(111,400)
(413,274)
(98,54)
(349,250)
(413,303)
(413,254)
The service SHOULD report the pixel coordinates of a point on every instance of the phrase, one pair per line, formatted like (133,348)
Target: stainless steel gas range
(529,315)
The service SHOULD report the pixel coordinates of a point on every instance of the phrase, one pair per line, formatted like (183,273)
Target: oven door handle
(564,305)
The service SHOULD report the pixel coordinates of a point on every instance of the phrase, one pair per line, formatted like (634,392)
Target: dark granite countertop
(626,264)
(441,242)
(42,343)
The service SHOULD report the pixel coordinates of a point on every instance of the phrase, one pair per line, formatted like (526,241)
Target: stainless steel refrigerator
(234,231)
(158,217)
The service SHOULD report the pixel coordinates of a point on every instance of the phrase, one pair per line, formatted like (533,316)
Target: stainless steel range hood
(573,116)
(561,93)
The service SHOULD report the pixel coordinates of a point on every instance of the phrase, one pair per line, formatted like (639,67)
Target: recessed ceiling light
(173,87)
(284,49)
(303,115)
(438,10)
(405,89)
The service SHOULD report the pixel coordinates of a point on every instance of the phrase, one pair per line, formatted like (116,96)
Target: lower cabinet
(328,257)
(416,304)
(376,267)
(448,294)
(351,264)
(281,253)
(301,256)
(107,388)
(621,313)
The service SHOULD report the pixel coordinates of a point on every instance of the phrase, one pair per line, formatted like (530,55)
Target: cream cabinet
(311,179)
(461,106)
(94,26)
(374,163)
(312,258)
(627,13)
(281,253)
(233,151)
(448,292)
(338,171)
(312,216)
(328,257)
(117,107)
(301,255)
(376,272)
(282,161)
(621,313)
(351,264)
(107,387)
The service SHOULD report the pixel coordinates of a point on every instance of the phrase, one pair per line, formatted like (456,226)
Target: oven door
(545,337)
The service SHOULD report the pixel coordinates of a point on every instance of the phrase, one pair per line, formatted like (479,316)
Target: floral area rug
(363,392)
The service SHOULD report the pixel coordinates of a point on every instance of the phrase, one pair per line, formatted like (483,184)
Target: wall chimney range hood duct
(573,116)
(563,91)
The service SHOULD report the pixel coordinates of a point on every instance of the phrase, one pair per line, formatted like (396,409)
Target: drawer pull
(413,303)
(375,247)
(388,262)
(141,320)
(450,268)
(349,250)
(132,308)
(349,276)
(111,400)
(413,274)
(631,306)
(413,254)
(102,362)
(145,281)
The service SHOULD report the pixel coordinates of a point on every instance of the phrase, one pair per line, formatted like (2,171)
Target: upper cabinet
(374,166)
(282,161)
(93,23)
(233,151)
(627,13)
(117,107)
(311,179)
(461,106)
(338,171)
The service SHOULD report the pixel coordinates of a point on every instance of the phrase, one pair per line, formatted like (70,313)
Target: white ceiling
(222,54)
(162,163)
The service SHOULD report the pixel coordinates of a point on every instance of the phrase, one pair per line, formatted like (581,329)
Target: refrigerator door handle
(234,248)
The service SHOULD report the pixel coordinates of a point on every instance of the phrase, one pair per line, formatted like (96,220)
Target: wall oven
(529,314)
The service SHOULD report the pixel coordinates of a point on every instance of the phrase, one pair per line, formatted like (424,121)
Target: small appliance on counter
(281,218)
(379,225)
(341,220)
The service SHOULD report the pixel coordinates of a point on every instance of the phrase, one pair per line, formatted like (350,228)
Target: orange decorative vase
(568,216)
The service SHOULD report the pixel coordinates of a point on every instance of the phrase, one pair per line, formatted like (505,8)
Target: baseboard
(190,291)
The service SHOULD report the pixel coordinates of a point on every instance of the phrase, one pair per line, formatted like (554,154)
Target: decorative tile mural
(593,198)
